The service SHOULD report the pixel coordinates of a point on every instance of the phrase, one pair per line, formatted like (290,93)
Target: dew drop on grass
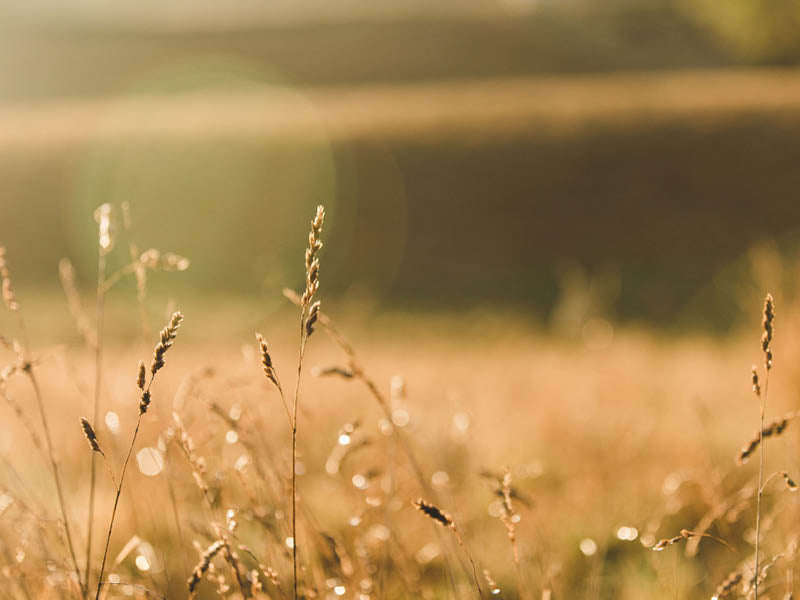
(627,533)
(588,547)
(112,422)
(461,423)
(142,563)
(400,417)
(150,461)
(440,478)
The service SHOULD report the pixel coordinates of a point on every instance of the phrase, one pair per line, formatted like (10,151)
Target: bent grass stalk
(27,367)
(168,335)
(54,467)
(309,315)
(507,515)
(105,243)
(443,518)
(356,371)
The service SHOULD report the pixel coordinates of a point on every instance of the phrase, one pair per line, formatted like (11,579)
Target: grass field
(555,356)
(611,441)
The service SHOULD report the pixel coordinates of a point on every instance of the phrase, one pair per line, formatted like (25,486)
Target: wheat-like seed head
(756,383)
(8,291)
(232,558)
(434,512)
(313,315)
(749,585)
(168,335)
(685,534)
(769,330)
(727,587)
(495,589)
(91,437)
(312,260)
(506,489)
(202,566)
(169,261)
(266,360)
(187,446)
(174,262)
(150,258)
(775,428)
(507,514)
(105,234)
(66,273)
(332,370)
(140,376)
(144,402)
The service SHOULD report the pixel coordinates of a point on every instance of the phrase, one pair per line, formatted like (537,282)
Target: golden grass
(561,465)
(462,421)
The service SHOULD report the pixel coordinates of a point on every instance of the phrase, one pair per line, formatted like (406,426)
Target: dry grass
(560,465)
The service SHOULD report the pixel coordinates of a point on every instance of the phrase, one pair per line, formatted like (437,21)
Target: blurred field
(452,187)
(494,108)
(550,228)
(617,429)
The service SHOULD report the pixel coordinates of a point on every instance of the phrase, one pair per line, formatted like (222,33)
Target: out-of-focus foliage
(477,150)
(758,30)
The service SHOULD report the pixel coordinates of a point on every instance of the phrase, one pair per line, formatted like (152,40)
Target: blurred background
(561,160)
(555,219)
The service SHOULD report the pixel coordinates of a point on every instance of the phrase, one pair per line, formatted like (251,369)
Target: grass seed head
(144,402)
(313,315)
(685,534)
(168,335)
(333,370)
(105,234)
(91,437)
(756,384)
(493,587)
(311,256)
(775,428)
(201,567)
(433,512)
(8,291)
(769,330)
(140,376)
(266,360)
(728,586)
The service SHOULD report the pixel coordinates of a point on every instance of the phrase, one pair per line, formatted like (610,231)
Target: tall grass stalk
(56,477)
(10,300)
(766,347)
(309,313)
(103,216)
(167,337)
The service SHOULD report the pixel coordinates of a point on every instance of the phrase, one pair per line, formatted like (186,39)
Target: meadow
(457,456)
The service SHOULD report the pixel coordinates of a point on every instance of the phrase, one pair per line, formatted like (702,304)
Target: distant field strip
(493,107)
